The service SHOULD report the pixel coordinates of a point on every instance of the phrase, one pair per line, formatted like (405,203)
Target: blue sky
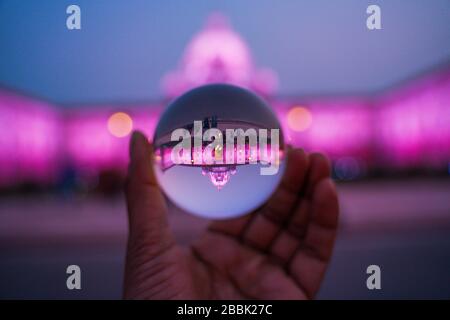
(124,47)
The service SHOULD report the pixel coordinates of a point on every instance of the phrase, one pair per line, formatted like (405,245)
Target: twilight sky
(125,47)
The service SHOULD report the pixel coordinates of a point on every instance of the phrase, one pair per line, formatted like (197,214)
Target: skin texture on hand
(280,251)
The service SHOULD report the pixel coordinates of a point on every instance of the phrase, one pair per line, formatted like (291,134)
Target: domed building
(218,54)
(388,131)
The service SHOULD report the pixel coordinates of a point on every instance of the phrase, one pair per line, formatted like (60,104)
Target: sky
(124,47)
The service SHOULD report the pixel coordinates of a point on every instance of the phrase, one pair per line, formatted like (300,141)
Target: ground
(404,227)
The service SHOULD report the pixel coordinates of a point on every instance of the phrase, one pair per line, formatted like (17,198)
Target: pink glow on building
(29,141)
(338,127)
(90,144)
(414,123)
(405,128)
(218,54)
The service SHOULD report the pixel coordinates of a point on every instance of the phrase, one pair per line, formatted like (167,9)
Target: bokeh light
(120,124)
(299,118)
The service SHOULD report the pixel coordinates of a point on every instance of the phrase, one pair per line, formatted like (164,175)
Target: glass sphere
(218,151)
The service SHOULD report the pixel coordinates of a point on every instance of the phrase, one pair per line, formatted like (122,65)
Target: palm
(238,271)
(280,251)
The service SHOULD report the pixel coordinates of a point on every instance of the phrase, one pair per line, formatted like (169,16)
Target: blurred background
(377,102)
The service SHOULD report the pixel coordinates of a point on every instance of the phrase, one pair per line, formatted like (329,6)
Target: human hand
(280,251)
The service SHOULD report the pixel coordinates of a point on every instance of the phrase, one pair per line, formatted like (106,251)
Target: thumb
(147,208)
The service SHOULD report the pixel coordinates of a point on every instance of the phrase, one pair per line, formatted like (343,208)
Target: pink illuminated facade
(413,123)
(89,142)
(404,128)
(218,54)
(224,162)
(30,141)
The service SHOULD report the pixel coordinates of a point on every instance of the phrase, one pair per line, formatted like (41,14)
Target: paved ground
(404,227)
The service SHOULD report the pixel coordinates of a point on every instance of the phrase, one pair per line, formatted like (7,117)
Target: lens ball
(219,151)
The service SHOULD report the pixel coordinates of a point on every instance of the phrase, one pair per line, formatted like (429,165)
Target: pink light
(30,141)
(413,123)
(90,144)
(163,156)
(219,176)
(338,127)
(218,54)
(221,170)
